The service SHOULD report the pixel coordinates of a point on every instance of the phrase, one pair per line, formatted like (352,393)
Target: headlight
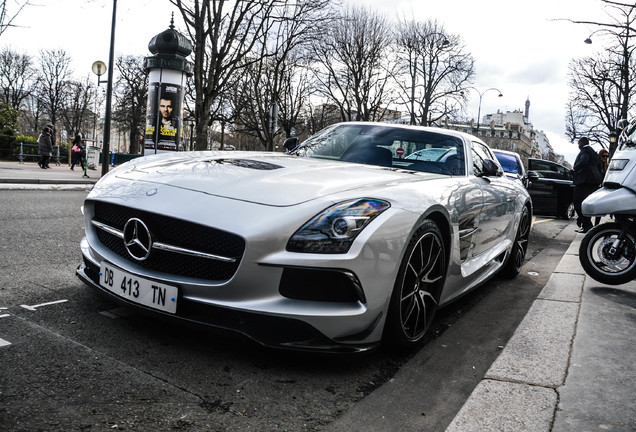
(618,164)
(334,229)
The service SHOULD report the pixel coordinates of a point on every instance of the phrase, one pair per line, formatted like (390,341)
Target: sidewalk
(28,175)
(570,365)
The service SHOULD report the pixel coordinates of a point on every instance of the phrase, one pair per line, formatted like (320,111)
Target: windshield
(388,146)
(508,162)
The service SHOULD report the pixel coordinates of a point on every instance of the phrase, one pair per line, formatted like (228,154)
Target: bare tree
(53,80)
(75,107)
(131,94)
(297,86)
(603,86)
(9,10)
(434,71)
(224,35)
(353,72)
(17,77)
(33,111)
(292,27)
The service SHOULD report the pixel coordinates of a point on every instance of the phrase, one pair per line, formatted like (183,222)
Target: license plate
(137,289)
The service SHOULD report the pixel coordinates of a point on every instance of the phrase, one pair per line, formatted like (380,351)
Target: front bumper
(267,330)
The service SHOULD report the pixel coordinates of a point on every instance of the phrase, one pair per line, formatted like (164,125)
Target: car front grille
(179,235)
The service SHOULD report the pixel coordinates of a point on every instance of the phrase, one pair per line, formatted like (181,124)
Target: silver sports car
(353,239)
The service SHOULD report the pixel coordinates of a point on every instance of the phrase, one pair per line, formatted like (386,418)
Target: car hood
(263,178)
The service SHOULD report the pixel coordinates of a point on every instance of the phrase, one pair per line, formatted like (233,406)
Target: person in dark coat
(45,148)
(603,156)
(78,152)
(587,178)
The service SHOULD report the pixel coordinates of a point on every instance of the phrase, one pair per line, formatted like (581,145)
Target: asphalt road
(74,361)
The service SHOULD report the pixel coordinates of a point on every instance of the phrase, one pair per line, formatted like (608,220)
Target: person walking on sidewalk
(45,148)
(78,152)
(603,156)
(587,178)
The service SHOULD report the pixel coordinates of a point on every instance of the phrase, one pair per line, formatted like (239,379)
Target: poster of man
(163,121)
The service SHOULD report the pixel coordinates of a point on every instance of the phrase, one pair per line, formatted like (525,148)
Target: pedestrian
(587,178)
(78,152)
(603,156)
(45,148)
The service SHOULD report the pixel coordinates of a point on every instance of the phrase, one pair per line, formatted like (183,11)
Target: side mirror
(533,176)
(525,181)
(491,169)
(291,143)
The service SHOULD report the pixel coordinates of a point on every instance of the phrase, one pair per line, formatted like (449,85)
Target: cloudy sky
(523,48)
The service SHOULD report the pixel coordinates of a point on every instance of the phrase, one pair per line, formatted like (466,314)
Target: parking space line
(34,307)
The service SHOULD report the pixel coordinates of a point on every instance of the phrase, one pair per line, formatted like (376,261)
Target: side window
(478,163)
(480,152)
(550,170)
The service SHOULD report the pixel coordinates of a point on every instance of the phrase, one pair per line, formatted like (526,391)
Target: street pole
(109,94)
(481,94)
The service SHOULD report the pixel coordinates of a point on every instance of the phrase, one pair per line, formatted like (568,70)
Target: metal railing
(27,151)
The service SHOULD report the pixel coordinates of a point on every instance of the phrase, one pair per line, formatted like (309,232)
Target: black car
(549,184)
(551,188)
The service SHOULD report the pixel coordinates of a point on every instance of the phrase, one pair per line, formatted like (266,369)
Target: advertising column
(168,70)
(164,120)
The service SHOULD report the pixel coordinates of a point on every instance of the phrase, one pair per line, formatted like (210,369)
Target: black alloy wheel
(518,253)
(418,287)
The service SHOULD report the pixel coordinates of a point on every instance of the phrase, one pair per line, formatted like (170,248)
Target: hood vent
(248,163)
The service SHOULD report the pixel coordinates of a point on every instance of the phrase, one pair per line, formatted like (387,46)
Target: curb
(520,390)
(46,181)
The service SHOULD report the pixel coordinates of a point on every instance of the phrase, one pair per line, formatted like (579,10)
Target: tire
(417,289)
(517,256)
(597,259)
(568,212)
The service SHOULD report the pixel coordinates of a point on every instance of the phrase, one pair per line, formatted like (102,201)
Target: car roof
(465,136)
(506,152)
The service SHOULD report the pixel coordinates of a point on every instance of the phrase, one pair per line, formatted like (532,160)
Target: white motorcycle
(608,251)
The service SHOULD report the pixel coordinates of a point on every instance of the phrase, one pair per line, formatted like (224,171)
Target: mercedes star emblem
(137,239)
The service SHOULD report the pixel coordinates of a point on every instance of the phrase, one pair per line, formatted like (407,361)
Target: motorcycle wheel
(600,263)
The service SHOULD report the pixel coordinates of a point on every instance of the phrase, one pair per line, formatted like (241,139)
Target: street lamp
(99,69)
(109,92)
(589,38)
(481,94)
(613,138)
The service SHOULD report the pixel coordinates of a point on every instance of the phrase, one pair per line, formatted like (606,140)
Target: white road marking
(32,308)
(536,221)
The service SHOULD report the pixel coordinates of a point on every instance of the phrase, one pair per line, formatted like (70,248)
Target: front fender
(609,201)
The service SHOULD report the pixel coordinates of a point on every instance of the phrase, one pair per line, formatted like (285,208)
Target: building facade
(510,131)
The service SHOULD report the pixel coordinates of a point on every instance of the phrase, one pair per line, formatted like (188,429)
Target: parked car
(551,188)
(512,166)
(342,244)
